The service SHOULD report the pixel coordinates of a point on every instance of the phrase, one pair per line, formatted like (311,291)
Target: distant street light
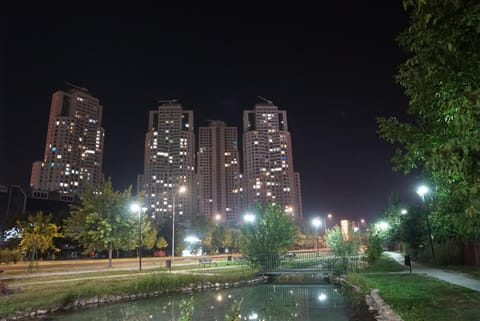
(137,209)
(181,190)
(249,218)
(404,211)
(421,191)
(218,217)
(316,222)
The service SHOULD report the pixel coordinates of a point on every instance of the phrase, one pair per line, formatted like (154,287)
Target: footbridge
(309,262)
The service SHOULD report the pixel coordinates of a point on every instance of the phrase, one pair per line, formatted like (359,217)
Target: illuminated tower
(268,162)
(74,146)
(169,160)
(218,171)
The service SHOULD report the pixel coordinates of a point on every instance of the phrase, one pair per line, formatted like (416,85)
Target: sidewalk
(456,278)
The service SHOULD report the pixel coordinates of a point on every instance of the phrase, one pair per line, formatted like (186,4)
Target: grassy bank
(43,293)
(419,298)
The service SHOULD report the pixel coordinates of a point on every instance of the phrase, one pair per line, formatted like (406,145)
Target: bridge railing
(309,261)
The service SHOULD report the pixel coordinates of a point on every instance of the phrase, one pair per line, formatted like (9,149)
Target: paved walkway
(456,278)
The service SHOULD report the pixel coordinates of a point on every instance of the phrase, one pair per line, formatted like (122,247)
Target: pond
(273,301)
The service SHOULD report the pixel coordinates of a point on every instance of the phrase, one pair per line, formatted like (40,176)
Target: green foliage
(38,234)
(236,237)
(442,80)
(413,231)
(392,215)
(417,297)
(161,243)
(271,235)
(234,313)
(103,220)
(341,245)
(10,255)
(374,248)
(300,239)
(186,309)
(221,237)
(149,233)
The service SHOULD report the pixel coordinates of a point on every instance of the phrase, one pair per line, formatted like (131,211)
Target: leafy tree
(161,243)
(236,239)
(374,248)
(340,245)
(413,231)
(442,81)
(221,237)
(271,235)
(392,216)
(37,234)
(300,239)
(103,220)
(149,233)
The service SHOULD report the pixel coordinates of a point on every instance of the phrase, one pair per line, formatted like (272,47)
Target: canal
(282,301)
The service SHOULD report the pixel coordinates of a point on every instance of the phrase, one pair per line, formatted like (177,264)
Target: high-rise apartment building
(218,169)
(74,146)
(169,161)
(268,161)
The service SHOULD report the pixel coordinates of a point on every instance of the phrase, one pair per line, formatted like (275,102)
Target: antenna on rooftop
(167,101)
(69,84)
(265,100)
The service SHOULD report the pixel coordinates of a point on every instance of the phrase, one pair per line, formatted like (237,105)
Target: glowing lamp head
(249,218)
(135,207)
(422,190)
(316,222)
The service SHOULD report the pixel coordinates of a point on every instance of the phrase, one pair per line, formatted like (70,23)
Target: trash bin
(229,258)
(168,263)
(407,260)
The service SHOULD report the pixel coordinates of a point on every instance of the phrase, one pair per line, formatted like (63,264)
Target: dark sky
(330,67)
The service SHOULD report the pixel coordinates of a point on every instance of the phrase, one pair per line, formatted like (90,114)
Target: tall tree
(268,237)
(37,234)
(442,81)
(103,220)
(221,237)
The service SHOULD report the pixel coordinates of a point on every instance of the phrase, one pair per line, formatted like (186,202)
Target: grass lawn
(38,293)
(419,298)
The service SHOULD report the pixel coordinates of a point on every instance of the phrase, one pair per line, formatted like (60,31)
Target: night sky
(332,68)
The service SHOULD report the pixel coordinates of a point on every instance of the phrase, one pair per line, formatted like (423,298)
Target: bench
(206,260)
(289,256)
(239,259)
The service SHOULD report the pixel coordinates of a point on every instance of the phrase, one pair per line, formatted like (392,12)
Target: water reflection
(283,302)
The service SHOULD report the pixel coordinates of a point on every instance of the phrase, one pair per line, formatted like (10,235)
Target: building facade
(269,174)
(218,169)
(169,161)
(73,149)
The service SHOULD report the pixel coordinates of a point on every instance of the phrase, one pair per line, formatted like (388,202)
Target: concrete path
(456,278)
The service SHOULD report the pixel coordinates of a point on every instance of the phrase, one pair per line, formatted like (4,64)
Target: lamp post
(316,222)
(181,190)
(137,209)
(421,191)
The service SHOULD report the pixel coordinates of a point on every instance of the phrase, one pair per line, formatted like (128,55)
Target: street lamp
(181,190)
(137,209)
(421,191)
(316,222)
(249,218)
(218,217)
